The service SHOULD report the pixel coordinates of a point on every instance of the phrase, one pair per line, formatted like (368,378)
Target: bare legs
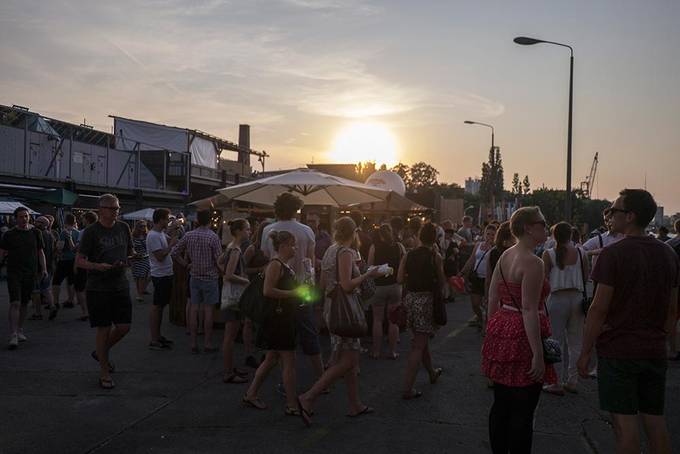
(107,337)
(230,332)
(420,354)
(142,283)
(628,434)
(392,331)
(476,302)
(289,379)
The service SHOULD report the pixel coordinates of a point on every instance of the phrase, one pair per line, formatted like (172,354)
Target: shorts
(306,330)
(204,292)
(386,295)
(63,271)
(477,284)
(20,287)
(43,285)
(79,280)
(106,308)
(632,386)
(231,315)
(162,289)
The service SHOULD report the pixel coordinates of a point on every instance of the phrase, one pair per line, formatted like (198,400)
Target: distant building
(472,185)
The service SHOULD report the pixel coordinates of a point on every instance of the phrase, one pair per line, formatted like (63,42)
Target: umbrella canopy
(8,207)
(59,197)
(394,203)
(313,187)
(145,214)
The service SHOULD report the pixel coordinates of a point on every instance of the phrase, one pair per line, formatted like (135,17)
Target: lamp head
(468,122)
(526,41)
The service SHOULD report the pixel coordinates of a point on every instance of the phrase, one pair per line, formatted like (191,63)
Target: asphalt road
(175,402)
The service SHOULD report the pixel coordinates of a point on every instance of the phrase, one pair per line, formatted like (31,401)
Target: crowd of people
(529,285)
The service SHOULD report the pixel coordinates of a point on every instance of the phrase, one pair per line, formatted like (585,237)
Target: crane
(587,185)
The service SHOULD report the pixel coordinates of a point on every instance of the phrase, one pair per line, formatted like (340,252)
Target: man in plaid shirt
(203,249)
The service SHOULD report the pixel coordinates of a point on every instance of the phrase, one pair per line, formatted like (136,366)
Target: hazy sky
(300,71)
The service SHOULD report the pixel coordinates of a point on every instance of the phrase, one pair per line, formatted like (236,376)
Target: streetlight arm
(571,49)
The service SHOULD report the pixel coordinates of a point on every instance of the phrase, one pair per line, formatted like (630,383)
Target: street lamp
(526,41)
(468,122)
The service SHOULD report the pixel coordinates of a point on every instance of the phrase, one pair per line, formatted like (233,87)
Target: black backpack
(252,302)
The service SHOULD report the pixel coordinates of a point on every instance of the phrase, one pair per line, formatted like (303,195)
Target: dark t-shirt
(642,271)
(48,249)
(421,274)
(22,247)
(107,245)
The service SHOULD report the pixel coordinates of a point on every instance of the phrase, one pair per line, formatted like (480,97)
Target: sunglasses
(114,209)
(618,210)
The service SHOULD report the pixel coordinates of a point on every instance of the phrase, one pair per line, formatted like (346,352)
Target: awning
(8,207)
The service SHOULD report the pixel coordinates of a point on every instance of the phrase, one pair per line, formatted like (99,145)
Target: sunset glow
(365,142)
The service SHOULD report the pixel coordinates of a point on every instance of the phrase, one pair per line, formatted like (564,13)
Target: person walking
(159,246)
(339,268)
(277,334)
(140,266)
(630,318)
(566,266)
(203,248)
(512,352)
(421,271)
(105,248)
(42,294)
(234,276)
(475,270)
(67,246)
(23,247)
(80,275)
(386,250)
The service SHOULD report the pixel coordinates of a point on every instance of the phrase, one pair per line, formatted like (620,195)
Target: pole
(567,205)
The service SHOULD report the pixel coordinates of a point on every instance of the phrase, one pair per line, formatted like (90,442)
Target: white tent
(145,214)
(8,207)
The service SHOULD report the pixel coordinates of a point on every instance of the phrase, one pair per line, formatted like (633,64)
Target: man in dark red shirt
(630,319)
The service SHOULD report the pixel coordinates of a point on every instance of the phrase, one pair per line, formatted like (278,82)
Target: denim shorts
(204,292)
(306,330)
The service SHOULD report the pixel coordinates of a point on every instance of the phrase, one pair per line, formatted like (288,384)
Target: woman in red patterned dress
(512,354)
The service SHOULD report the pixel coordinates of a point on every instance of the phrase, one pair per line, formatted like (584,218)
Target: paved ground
(174,402)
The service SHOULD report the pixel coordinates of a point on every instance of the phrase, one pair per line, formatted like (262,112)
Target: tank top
(390,254)
(480,262)
(420,271)
(571,277)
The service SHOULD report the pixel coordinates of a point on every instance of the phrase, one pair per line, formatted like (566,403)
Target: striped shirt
(203,247)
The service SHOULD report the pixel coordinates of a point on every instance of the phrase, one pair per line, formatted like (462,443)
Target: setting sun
(361,142)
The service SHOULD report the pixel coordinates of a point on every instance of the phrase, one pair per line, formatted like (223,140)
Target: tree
(516,186)
(404,172)
(526,186)
(491,187)
(422,175)
(365,170)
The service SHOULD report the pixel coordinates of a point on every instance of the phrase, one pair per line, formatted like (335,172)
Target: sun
(361,142)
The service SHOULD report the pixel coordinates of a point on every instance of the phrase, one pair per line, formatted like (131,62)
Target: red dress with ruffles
(506,353)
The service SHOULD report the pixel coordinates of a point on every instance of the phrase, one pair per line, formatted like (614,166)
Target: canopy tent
(59,197)
(145,214)
(8,207)
(313,187)
(393,204)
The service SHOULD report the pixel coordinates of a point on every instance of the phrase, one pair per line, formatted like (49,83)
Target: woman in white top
(476,267)
(565,267)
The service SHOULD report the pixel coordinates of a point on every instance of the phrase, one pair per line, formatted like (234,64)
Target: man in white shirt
(159,248)
(594,246)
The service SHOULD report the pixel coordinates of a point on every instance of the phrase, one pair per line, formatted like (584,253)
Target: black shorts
(79,280)
(108,308)
(20,287)
(162,290)
(631,386)
(477,284)
(64,271)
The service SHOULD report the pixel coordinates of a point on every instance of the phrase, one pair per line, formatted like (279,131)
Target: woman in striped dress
(140,264)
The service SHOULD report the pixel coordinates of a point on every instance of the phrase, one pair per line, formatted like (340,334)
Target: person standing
(42,293)
(23,246)
(673,337)
(512,352)
(597,243)
(203,248)
(158,246)
(105,249)
(631,316)
(475,270)
(67,246)
(566,267)
(80,275)
(140,266)
(285,208)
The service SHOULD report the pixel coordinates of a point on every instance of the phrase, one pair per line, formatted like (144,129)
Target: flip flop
(106,383)
(234,379)
(366,411)
(112,367)
(256,403)
(304,414)
(412,395)
(292,411)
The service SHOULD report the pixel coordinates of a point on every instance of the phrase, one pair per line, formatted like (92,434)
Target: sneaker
(252,362)
(159,346)
(13,341)
(21,336)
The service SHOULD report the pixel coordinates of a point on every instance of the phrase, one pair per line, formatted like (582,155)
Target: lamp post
(525,41)
(493,150)
(468,122)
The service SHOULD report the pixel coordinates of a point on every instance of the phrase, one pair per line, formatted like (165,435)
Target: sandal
(292,411)
(240,372)
(94,356)
(413,394)
(305,414)
(106,383)
(437,373)
(254,403)
(234,379)
(366,411)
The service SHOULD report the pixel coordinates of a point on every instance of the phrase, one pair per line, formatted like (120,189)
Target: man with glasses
(633,312)
(105,248)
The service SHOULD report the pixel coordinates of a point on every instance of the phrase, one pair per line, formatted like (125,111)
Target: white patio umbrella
(145,214)
(313,187)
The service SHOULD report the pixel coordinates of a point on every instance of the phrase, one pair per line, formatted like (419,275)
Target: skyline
(300,72)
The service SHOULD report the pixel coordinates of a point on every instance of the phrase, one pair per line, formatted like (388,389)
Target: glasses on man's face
(113,209)
(613,210)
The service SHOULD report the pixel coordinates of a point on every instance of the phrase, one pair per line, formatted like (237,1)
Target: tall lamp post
(468,122)
(525,41)
(493,149)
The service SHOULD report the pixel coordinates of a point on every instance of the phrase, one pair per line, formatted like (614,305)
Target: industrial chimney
(244,144)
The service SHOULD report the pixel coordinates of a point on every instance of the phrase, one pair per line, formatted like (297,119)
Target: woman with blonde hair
(512,353)
(140,262)
(339,268)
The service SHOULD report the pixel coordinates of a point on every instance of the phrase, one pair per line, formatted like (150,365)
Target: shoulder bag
(345,315)
(586,301)
(231,291)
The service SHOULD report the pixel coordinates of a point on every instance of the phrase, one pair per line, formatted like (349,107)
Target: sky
(301,72)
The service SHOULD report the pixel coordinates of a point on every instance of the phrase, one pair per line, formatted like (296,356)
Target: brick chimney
(244,144)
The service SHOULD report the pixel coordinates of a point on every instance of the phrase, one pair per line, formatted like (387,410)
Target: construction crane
(587,185)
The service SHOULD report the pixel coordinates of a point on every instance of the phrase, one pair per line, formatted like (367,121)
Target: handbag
(367,287)
(552,351)
(345,315)
(231,294)
(586,301)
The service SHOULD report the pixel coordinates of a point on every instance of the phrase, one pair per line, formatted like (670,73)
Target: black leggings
(511,421)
